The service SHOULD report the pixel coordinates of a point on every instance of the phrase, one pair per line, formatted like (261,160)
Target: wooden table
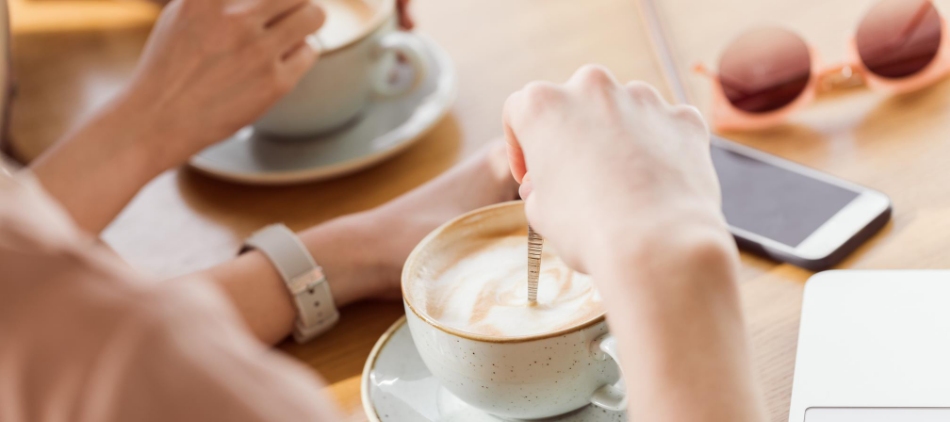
(72,55)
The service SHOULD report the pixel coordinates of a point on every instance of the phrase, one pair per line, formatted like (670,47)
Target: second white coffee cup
(348,73)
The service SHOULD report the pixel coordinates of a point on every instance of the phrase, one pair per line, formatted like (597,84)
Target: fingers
(529,103)
(647,94)
(692,115)
(289,33)
(298,61)
(594,77)
(273,11)
(405,19)
(521,108)
(540,103)
(526,186)
(644,93)
(515,154)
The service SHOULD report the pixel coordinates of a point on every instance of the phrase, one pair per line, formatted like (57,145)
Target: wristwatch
(316,312)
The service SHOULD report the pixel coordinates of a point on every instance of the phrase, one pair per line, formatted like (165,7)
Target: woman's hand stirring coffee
(622,185)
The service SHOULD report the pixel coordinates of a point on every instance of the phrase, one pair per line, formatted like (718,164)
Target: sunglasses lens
(898,38)
(764,69)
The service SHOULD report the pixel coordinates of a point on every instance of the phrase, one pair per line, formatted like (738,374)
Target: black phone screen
(772,201)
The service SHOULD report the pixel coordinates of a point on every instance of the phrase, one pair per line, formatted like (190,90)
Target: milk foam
(345,19)
(485,292)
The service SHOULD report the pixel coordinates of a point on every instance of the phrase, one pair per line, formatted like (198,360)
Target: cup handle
(612,397)
(412,48)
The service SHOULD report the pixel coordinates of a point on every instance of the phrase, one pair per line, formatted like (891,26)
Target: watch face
(306,281)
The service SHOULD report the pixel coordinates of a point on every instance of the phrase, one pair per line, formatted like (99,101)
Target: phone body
(793,213)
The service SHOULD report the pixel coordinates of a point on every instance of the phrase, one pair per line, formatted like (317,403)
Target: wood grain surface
(71,55)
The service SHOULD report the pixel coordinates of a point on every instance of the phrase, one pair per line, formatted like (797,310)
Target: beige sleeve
(187,357)
(85,338)
(86,346)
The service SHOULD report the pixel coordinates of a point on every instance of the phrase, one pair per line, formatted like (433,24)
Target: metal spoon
(535,242)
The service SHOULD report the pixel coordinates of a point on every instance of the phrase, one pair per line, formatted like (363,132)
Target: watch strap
(316,311)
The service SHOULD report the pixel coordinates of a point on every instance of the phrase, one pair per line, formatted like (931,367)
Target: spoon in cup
(535,243)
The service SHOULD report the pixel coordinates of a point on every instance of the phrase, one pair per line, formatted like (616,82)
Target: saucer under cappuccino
(485,291)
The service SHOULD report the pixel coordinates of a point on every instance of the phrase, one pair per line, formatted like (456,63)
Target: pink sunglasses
(767,73)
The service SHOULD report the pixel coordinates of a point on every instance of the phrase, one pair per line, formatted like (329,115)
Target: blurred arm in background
(209,68)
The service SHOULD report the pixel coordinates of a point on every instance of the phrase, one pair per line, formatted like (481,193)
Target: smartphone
(792,213)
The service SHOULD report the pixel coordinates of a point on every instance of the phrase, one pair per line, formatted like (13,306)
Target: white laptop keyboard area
(825,414)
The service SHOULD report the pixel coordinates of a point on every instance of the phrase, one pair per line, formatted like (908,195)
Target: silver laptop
(874,346)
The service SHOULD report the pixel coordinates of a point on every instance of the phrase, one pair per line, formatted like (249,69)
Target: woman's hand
(405,19)
(598,159)
(209,68)
(213,66)
(622,184)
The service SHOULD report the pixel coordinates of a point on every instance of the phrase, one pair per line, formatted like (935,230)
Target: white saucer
(386,127)
(397,387)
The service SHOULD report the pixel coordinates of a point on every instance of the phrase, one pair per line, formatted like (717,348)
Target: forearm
(97,169)
(261,297)
(674,307)
(362,254)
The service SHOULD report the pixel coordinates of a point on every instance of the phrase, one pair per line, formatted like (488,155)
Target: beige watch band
(316,311)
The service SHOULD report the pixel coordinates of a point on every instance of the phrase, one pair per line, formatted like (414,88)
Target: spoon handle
(535,242)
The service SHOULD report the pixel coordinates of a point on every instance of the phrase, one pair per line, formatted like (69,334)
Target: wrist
(687,275)
(697,247)
(136,111)
(100,165)
(340,247)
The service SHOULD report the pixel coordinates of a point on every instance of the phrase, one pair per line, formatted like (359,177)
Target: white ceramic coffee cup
(347,76)
(519,378)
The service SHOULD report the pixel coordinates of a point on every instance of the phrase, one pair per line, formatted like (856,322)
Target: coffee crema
(345,21)
(483,291)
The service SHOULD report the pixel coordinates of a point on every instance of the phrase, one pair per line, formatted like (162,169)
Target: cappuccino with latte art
(484,292)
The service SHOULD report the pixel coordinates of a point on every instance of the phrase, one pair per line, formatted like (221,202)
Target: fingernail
(525,189)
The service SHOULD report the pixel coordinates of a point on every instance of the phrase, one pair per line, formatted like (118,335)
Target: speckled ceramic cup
(529,377)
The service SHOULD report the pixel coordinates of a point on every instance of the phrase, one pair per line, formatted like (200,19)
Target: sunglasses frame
(853,72)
